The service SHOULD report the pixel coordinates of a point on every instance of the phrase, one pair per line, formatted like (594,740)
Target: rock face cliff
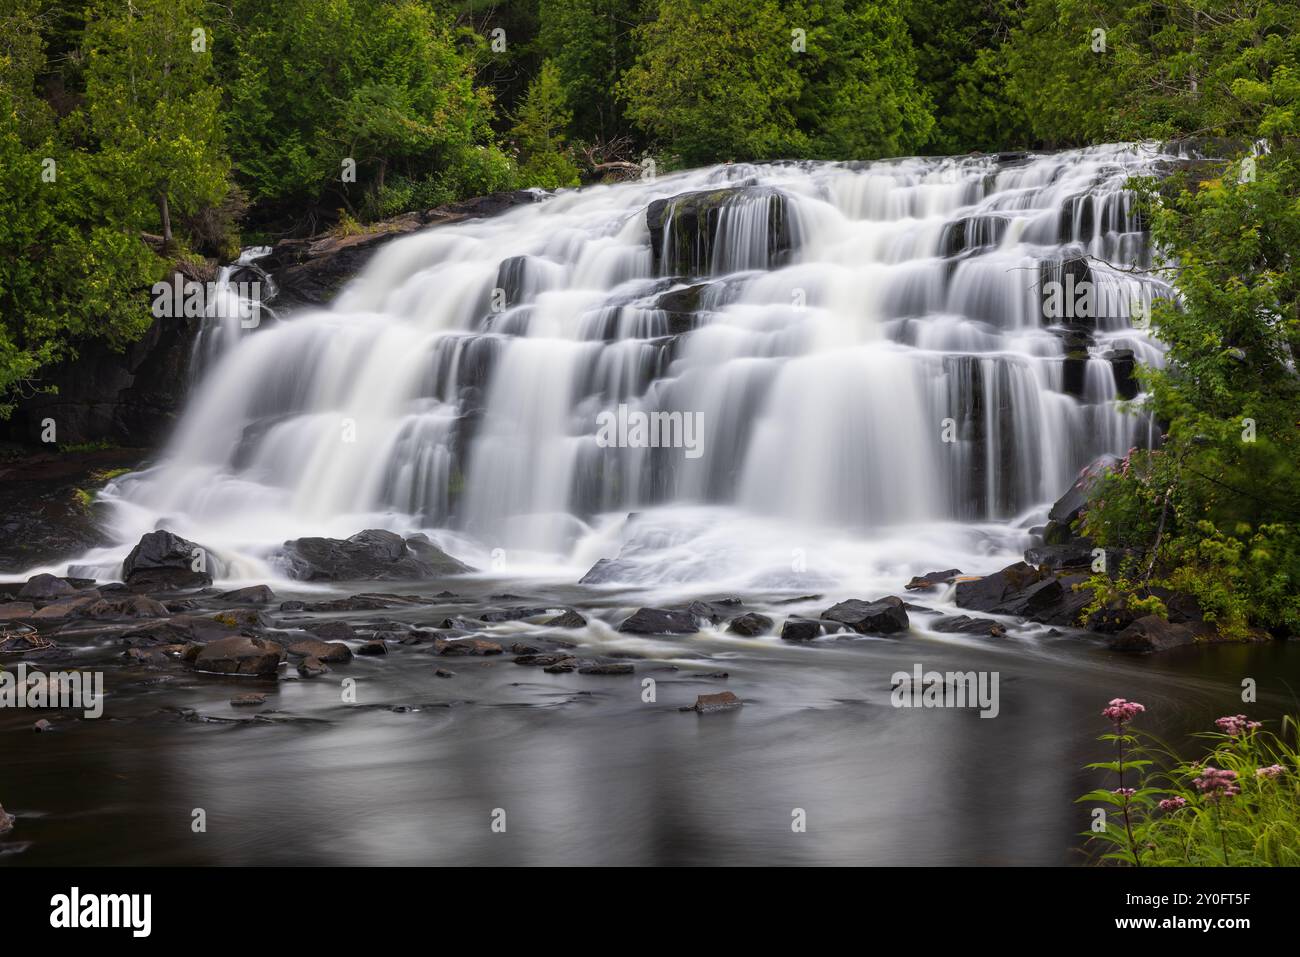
(131,398)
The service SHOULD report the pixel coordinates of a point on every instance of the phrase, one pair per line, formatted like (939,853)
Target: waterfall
(894,356)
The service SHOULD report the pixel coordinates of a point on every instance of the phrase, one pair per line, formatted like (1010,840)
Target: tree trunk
(165,214)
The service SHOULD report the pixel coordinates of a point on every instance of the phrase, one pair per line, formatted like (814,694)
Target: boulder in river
(6,821)
(801,629)
(660,621)
(886,616)
(328,651)
(750,624)
(45,588)
(1152,633)
(569,619)
(372,555)
(163,560)
(966,625)
(239,655)
(251,595)
(711,703)
(932,579)
(1070,506)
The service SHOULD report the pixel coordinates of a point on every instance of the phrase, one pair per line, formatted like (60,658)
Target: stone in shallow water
(252,595)
(750,625)
(248,700)
(162,559)
(800,629)
(886,616)
(570,619)
(329,651)
(964,624)
(711,703)
(660,621)
(608,668)
(239,655)
(44,587)
(312,667)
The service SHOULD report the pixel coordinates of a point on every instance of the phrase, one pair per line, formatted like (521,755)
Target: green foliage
(538,133)
(384,83)
(727,79)
(151,105)
(72,265)
(1176,817)
(590,44)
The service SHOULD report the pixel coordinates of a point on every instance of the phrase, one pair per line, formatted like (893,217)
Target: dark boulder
(312,667)
(606,668)
(252,595)
(239,655)
(1074,554)
(711,703)
(466,646)
(45,588)
(965,625)
(660,621)
(991,591)
(886,616)
(371,555)
(1070,506)
(376,646)
(570,619)
(932,579)
(801,629)
(684,228)
(164,560)
(1152,633)
(750,624)
(328,651)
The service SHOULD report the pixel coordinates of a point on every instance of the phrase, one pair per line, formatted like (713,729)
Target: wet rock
(1152,633)
(1037,599)
(964,624)
(16,610)
(605,571)
(330,630)
(371,555)
(134,606)
(293,606)
(45,588)
(7,821)
(570,619)
(511,614)
(333,652)
(240,655)
(373,647)
(750,624)
(885,616)
(683,228)
(561,667)
(42,726)
(711,703)
(715,612)
(444,673)
(1070,506)
(659,621)
(74,606)
(1076,553)
(519,648)
(800,629)
(163,560)
(608,668)
(248,701)
(932,579)
(312,667)
(458,624)
(544,659)
(466,646)
(991,591)
(251,595)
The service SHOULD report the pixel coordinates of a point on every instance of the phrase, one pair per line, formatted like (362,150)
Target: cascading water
(878,378)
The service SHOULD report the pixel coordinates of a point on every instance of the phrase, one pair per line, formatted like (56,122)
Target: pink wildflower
(1272,771)
(1236,724)
(1172,804)
(1121,711)
(1216,781)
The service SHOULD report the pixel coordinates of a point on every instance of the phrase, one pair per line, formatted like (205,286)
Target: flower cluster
(1215,781)
(1272,771)
(1236,724)
(1121,712)
(1173,803)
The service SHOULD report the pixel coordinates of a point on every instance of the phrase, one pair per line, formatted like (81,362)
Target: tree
(717,80)
(72,266)
(153,104)
(320,85)
(590,44)
(538,133)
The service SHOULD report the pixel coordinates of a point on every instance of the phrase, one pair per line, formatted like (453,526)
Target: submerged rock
(801,629)
(45,588)
(329,651)
(251,595)
(964,624)
(932,579)
(1152,633)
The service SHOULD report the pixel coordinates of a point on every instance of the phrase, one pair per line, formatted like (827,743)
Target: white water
(821,379)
